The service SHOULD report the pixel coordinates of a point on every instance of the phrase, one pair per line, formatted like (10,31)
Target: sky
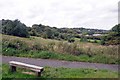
(97,14)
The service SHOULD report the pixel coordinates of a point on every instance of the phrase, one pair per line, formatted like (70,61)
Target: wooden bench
(14,64)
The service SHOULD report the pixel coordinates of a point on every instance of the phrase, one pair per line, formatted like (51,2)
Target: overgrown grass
(37,47)
(50,72)
(52,55)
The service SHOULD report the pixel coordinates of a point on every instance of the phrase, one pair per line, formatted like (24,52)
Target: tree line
(16,28)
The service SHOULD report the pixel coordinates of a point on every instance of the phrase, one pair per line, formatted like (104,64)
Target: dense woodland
(16,28)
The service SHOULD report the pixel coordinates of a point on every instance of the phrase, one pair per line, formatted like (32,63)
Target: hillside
(76,44)
(103,37)
(17,28)
(38,47)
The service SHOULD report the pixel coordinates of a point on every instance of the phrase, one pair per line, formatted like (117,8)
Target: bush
(83,39)
(71,40)
(11,52)
(102,42)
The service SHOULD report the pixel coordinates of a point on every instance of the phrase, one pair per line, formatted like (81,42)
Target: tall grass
(62,47)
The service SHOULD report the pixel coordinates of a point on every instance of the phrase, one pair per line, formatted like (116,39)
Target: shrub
(71,40)
(102,42)
(10,51)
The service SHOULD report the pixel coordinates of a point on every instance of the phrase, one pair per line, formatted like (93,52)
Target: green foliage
(102,42)
(33,33)
(113,38)
(15,28)
(50,34)
(116,29)
(83,39)
(10,51)
(71,40)
(61,33)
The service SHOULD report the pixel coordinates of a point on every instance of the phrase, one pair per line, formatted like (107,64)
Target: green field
(50,72)
(88,40)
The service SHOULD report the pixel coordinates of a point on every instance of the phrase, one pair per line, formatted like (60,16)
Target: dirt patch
(30,73)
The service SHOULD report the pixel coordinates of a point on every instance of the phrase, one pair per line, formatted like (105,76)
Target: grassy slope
(53,50)
(67,57)
(60,73)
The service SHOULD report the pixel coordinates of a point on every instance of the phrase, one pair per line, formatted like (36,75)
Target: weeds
(16,46)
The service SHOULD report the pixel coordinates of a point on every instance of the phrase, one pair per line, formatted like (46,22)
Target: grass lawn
(50,72)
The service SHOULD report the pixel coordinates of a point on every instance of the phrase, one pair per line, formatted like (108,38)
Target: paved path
(59,63)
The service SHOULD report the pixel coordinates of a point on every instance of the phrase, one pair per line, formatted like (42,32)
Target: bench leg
(38,74)
(13,68)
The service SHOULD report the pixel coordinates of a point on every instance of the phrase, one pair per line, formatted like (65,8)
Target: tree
(116,29)
(7,27)
(113,38)
(50,34)
(15,28)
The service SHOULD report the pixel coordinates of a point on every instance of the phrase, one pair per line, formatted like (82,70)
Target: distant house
(87,35)
(97,34)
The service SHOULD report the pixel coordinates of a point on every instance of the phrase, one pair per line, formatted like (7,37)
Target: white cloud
(101,14)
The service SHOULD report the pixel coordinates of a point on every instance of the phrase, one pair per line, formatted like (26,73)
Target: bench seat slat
(35,68)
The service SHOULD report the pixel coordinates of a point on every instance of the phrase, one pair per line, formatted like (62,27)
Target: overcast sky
(100,14)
